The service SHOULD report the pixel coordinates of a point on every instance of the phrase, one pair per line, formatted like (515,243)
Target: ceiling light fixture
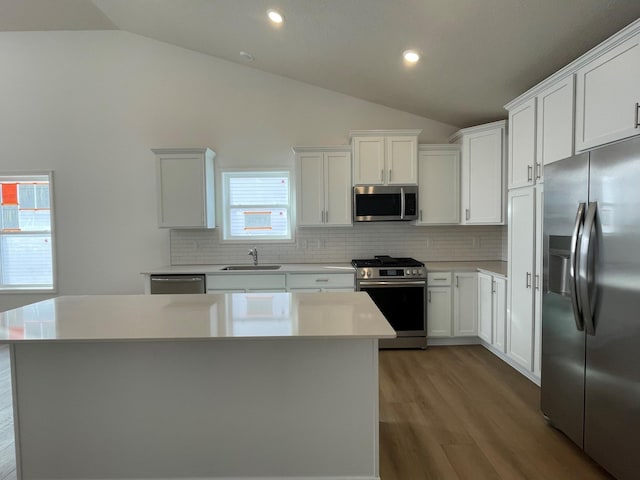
(246,56)
(275,16)
(411,56)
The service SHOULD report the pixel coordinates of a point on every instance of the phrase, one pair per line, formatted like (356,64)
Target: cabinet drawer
(246,282)
(314,280)
(442,279)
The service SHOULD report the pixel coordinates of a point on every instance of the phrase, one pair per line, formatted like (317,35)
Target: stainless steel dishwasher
(178,284)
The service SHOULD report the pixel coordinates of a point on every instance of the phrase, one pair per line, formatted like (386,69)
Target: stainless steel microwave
(377,203)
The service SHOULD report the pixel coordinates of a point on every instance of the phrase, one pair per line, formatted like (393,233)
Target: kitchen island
(264,385)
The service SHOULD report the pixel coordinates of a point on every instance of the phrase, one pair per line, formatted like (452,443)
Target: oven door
(401,302)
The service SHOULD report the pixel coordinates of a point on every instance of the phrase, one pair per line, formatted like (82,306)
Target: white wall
(91,105)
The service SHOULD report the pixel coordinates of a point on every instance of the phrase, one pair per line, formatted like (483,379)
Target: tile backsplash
(363,240)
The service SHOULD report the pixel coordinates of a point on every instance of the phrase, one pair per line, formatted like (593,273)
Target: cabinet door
(465,304)
(607,96)
(482,181)
(499,313)
(310,188)
(537,284)
(521,270)
(485,307)
(439,182)
(522,144)
(368,161)
(181,184)
(337,188)
(555,124)
(439,312)
(402,160)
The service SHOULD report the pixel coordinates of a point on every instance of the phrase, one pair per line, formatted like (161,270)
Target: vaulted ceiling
(476,54)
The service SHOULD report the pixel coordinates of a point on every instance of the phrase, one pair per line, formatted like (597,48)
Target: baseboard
(437,341)
(515,365)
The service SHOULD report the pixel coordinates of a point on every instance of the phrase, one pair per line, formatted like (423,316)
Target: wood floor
(449,413)
(446,413)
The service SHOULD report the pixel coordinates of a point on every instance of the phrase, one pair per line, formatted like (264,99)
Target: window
(256,205)
(26,250)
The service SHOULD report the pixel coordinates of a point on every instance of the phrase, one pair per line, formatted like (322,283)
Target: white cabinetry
(385,157)
(522,143)
(607,96)
(492,309)
(483,182)
(439,305)
(555,126)
(537,282)
(315,282)
(520,327)
(185,186)
(439,184)
(324,186)
(465,302)
(225,283)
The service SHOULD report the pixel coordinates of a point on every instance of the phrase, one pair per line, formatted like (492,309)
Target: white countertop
(284,268)
(196,317)
(494,267)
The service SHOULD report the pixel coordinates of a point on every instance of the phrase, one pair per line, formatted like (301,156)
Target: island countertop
(196,317)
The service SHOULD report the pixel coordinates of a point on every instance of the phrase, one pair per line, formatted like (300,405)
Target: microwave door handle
(401,203)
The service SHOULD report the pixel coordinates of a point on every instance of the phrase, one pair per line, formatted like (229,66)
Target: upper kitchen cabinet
(607,95)
(185,186)
(522,143)
(385,157)
(439,184)
(540,132)
(324,186)
(555,123)
(483,150)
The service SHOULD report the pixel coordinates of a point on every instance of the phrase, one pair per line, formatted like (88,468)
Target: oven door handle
(367,283)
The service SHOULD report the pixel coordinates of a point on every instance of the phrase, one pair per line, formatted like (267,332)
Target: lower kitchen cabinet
(225,283)
(452,304)
(465,302)
(439,305)
(311,282)
(492,309)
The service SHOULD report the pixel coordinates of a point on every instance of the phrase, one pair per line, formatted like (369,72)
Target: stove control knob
(408,272)
(415,272)
(362,272)
(368,273)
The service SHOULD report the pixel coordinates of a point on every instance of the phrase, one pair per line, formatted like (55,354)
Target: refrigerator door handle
(573,267)
(584,268)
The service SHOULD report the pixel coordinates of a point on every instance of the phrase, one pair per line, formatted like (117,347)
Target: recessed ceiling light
(411,56)
(246,56)
(275,16)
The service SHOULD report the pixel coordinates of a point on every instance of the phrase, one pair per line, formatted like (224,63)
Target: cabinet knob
(529,173)
(538,170)
(637,114)
(420,214)
(528,284)
(467,214)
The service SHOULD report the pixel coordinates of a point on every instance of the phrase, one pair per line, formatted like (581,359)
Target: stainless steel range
(398,287)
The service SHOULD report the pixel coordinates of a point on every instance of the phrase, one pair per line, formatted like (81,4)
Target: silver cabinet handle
(440,278)
(382,175)
(528,279)
(389,174)
(538,170)
(637,115)
(420,214)
(537,276)
(326,216)
(402,202)
(321,216)
(323,280)
(529,173)
(493,286)
(457,283)
(429,296)
(585,268)
(467,215)
(573,267)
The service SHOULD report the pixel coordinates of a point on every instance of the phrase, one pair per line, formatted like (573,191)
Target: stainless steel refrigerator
(591,304)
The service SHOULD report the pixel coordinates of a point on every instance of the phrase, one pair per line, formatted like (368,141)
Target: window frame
(225,234)
(29,289)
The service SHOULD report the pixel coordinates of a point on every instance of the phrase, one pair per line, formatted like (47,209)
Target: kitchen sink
(252,267)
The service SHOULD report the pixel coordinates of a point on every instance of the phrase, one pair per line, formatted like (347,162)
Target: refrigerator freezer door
(612,398)
(563,345)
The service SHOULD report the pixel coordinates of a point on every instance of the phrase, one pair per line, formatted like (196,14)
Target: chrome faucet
(254,253)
